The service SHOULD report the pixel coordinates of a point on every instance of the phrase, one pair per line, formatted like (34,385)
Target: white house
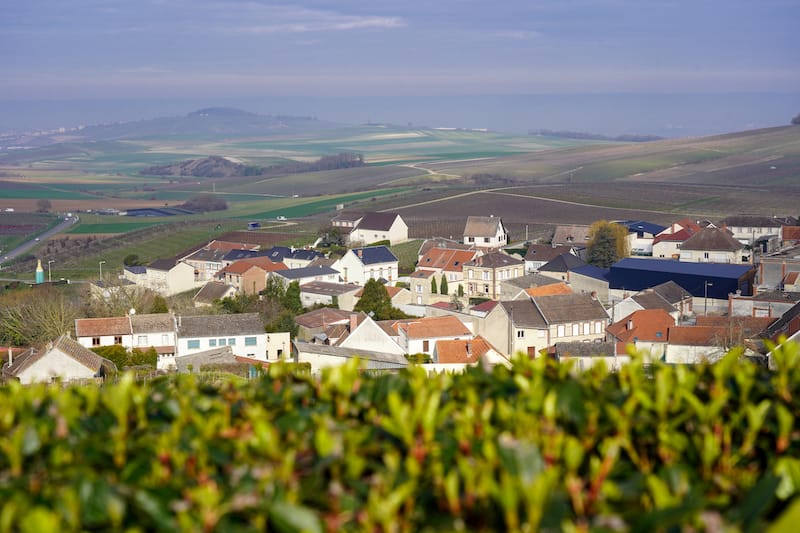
(244,333)
(485,232)
(421,335)
(373,262)
(132,332)
(62,360)
(375,227)
(321,356)
(306,275)
(164,276)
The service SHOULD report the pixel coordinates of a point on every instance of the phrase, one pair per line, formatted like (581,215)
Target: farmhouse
(244,333)
(376,227)
(713,245)
(485,232)
(484,275)
(373,262)
(62,360)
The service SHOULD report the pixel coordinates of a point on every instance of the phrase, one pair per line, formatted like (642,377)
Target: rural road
(28,245)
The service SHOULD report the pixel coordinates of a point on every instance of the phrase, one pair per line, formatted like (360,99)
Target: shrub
(533,447)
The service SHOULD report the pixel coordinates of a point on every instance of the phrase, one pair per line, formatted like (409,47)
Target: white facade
(54,365)
(397,233)
(179,278)
(370,336)
(692,355)
(253,346)
(700,256)
(353,270)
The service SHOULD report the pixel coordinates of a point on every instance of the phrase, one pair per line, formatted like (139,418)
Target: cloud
(321,22)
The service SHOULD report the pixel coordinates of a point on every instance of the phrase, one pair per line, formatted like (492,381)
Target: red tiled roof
(433,327)
(446,259)
(695,335)
(791,278)
(97,327)
(791,233)
(549,290)
(485,306)
(644,325)
(462,351)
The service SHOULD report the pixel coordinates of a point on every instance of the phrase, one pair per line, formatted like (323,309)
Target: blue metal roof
(235,255)
(592,271)
(716,280)
(374,254)
(641,225)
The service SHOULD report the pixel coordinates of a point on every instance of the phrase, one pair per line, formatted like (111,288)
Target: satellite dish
(132,311)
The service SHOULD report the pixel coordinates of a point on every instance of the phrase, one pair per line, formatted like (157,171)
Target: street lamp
(706,285)
(101,270)
(50,272)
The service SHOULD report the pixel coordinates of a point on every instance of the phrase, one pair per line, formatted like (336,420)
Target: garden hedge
(531,448)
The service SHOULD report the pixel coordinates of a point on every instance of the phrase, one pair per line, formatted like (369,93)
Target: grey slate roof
(584,349)
(651,300)
(482,226)
(216,356)
(573,235)
(206,254)
(560,308)
(545,252)
(563,263)
(326,288)
(305,272)
(377,221)
(213,290)
(755,221)
(217,325)
(235,255)
(388,359)
(163,264)
(495,260)
(321,317)
(672,292)
(524,314)
(371,255)
(152,323)
(528,281)
(712,239)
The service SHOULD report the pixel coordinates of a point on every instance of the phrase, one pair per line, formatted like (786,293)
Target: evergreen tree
(291,298)
(375,298)
(433,285)
(159,305)
(443,288)
(460,290)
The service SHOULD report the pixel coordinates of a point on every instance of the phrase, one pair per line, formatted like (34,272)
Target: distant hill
(219,167)
(581,135)
(208,123)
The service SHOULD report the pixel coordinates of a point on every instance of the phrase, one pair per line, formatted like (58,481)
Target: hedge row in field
(531,448)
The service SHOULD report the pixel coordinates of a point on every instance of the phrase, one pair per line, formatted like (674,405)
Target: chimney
(630,324)
(360,253)
(353,322)
(469,348)
(594,295)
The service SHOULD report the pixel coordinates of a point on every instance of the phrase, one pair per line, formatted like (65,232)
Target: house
(756,231)
(341,295)
(212,291)
(534,324)
(762,304)
(710,281)
(419,283)
(373,262)
(321,356)
(244,333)
(457,355)
(61,360)
(641,235)
(363,333)
(585,355)
(421,335)
(645,330)
(560,266)
(164,276)
(574,235)
(376,227)
(231,256)
(485,232)
(317,321)
(713,245)
(207,262)
(448,263)
(250,275)
(667,244)
(514,286)
(306,275)
(441,242)
(485,274)
(345,222)
(292,257)
(132,331)
(713,337)
(539,255)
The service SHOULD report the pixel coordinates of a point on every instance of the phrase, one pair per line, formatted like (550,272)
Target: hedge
(534,447)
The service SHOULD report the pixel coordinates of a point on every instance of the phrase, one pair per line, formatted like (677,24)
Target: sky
(56,50)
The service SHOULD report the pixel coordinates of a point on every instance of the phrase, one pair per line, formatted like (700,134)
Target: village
(685,294)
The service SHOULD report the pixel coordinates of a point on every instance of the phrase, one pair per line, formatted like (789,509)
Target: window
(587,328)
(141,340)
(250,341)
(212,343)
(576,330)
(117,340)
(486,275)
(486,239)
(221,342)
(419,288)
(598,327)
(470,239)
(232,342)
(470,274)
(164,339)
(193,344)
(425,346)
(280,353)
(561,331)
(95,341)
(520,333)
(486,289)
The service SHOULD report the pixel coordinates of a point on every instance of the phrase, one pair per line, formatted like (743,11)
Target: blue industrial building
(715,280)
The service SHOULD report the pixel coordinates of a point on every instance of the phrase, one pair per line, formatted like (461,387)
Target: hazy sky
(59,49)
